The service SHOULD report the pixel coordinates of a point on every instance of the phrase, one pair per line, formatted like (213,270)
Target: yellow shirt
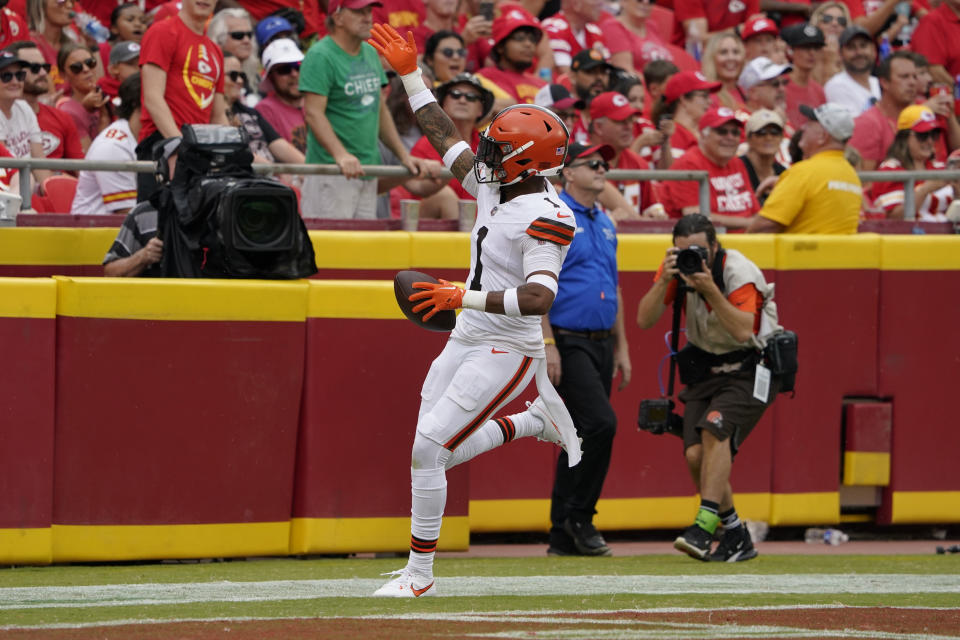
(819,195)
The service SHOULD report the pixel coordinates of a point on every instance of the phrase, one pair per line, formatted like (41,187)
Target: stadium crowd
(744,89)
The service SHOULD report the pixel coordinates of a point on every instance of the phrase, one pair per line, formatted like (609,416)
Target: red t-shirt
(565,44)
(522,86)
(812,95)
(402,15)
(194,67)
(12,28)
(873,133)
(681,140)
(730,190)
(887,195)
(720,14)
(646,49)
(936,37)
(7,176)
(640,194)
(60,137)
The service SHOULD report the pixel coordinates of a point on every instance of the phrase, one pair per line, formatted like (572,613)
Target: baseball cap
(761,118)
(757,25)
(280,51)
(124,52)
(718,116)
(335,5)
(613,105)
(7,59)
(835,118)
(760,69)
(486,96)
(803,35)
(510,21)
(852,32)
(578,150)
(556,97)
(917,117)
(587,59)
(682,83)
(270,26)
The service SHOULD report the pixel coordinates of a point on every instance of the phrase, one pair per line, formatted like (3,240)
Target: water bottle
(90,26)
(694,47)
(832,537)
(884,47)
(545,74)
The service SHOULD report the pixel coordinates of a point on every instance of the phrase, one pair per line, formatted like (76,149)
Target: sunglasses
(285,69)
(776,84)
(593,165)
(7,76)
(36,67)
(772,132)
(522,34)
(827,19)
(240,35)
(450,52)
(237,76)
(729,132)
(456,94)
(934,134)
(77,67)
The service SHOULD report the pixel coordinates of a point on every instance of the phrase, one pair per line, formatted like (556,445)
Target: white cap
(760,69)
(835,118)
(280,51)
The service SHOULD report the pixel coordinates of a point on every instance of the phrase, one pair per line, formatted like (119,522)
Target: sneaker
(735,546)
(695,542)
(407,584)
(586,538)
(552,432)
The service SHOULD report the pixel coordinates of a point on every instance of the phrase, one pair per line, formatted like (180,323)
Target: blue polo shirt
(587,296)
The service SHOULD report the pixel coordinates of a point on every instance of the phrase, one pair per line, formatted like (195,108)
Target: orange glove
(442,296)
(400,53)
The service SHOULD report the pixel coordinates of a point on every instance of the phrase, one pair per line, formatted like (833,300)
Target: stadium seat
(59,192)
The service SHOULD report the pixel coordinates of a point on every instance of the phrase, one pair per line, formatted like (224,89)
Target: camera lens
(259,223)
(690,260)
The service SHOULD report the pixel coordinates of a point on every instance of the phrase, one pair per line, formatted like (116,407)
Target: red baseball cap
(718,116)
(511,20)
(682,83)
(336,5)
(613,105)
(757,25)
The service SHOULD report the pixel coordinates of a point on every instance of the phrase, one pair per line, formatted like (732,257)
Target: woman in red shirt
(723,60)
(686,97)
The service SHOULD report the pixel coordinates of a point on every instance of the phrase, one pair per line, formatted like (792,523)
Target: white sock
(429,490)
(495,433)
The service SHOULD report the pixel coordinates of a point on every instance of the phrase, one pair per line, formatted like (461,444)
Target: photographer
(730,314)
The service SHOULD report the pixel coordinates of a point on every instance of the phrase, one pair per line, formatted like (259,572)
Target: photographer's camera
(691,259)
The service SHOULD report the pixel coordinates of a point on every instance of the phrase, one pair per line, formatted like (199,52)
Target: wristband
(552,341)
(420,100)
(413,82)
(511,305)
(474,300)
(453,153)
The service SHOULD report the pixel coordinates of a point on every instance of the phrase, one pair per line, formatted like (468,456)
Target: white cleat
(567,439)
(407,584)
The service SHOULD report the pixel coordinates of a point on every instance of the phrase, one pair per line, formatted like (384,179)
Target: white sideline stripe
(183,593)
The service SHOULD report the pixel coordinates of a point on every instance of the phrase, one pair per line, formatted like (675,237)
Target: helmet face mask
(522,141)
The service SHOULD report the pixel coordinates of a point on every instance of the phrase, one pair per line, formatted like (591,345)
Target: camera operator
(730,313)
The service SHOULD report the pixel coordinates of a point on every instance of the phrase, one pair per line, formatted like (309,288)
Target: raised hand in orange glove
(400,53)
(441,295)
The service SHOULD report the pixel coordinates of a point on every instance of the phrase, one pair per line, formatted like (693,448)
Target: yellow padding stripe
(761,249)
(361,249)
(74,543)
(357,535)
(55,246)
(25,546)
(870,468)
(641,251)
(925,506)
(804,508)
(440,250)
(372,299)
(920,253)
(184,300)
(804,252)
(28,298)
(613,514)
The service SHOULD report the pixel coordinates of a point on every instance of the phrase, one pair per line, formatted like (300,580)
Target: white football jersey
(101,192)
(534,227)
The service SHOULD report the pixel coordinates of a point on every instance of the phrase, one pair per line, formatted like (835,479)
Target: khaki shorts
(723,405)
(338,197)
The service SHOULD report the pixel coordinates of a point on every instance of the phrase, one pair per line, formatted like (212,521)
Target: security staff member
(730,314)
(585,346)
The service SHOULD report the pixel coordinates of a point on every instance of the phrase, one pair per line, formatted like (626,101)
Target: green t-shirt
(352,85)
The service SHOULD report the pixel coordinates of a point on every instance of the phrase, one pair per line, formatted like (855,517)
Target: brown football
(403,289)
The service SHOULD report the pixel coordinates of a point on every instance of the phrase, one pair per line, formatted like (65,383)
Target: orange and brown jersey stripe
(507,428)
(484,415)
(418,545)
(551,231)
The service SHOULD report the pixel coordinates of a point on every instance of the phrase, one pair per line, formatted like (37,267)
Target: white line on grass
(183,593)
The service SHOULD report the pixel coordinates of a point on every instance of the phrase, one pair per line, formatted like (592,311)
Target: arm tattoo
(442,134)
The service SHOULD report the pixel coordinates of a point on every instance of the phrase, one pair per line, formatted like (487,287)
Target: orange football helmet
(522,141)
